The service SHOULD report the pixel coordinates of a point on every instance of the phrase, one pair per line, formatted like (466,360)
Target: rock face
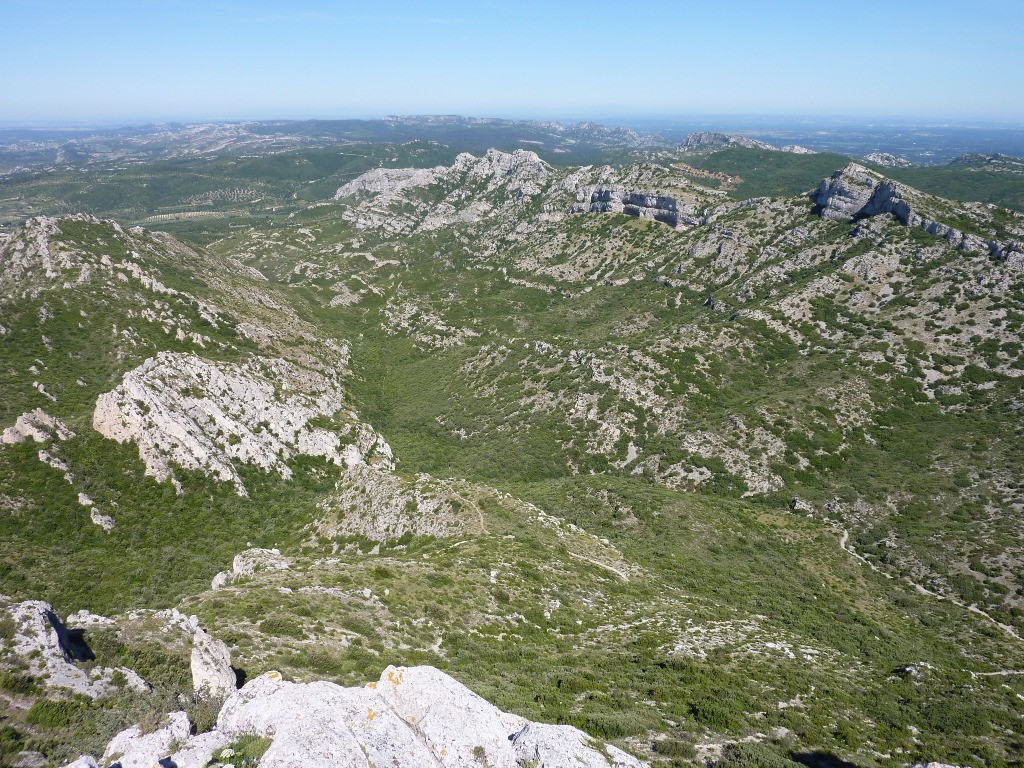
(415,716)
(50,649)
(854,192)
(206,415)
(846,193)
(212,675)
(646,205)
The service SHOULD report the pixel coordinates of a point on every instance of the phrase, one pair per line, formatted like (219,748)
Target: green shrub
(18,683)
(54,714)
(753,755)
(279,625)
(675,748)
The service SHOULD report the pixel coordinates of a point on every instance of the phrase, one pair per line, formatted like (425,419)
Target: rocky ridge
(505,180)
(668,359)
(887,160)
(854,192)
(704,141)
(413,716)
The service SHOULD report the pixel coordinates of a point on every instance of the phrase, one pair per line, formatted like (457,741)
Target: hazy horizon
(115,62)
(639,121)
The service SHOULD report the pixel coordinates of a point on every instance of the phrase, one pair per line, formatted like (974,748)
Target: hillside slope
(750,473)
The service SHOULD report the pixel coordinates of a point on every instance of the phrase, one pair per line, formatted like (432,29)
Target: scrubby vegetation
(665,434)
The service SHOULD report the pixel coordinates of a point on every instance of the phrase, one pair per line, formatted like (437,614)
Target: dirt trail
(622,575)
(925,591)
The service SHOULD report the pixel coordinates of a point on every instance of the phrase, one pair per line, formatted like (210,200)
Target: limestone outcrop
(887,160)
(134,748)
(205,415)
(49,649)
(37,425)
(506,178)
(414,716)
(855,192)
(251,561)
(646,205)
(388,181)
(212,675)
(702,141)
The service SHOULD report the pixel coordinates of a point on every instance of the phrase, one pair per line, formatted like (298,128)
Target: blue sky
(112,60)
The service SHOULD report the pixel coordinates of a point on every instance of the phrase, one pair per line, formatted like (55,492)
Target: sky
(64,61)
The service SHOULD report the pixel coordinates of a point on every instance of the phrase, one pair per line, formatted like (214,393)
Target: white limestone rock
(846,192)
(704,141)
(43,642)
(37,425)
(87,619)
(415,717)
(854,192)
(251,561)
(389,181)
(206,415)
(646,205)
(887,160)
(106,522)
(199,751)
(457,724)
(323,724)
(396,208)
(518,171)
(132,748)
(212,675)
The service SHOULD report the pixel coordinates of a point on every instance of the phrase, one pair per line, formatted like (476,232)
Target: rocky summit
(415,716)
(591,448)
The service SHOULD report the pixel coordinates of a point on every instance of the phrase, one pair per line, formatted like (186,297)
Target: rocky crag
(854,192)
(415,716)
